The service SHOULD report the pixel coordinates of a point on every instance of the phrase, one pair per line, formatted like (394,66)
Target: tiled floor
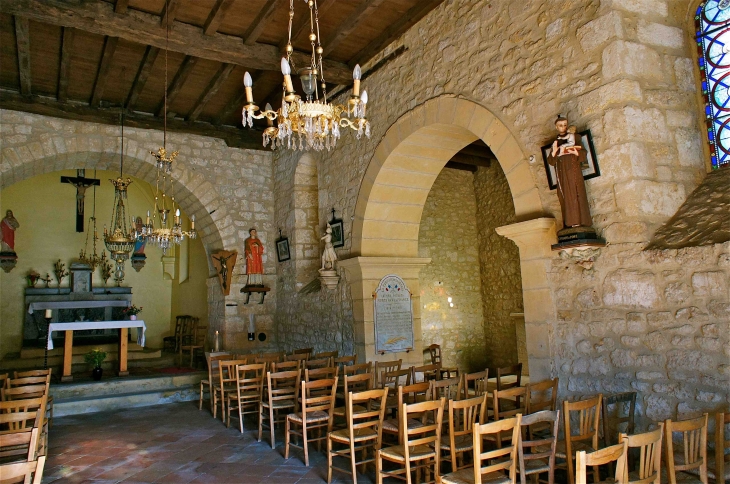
(173,443)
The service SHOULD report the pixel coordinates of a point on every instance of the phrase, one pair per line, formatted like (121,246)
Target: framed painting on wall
(282,248)
(590,170)
(338,231)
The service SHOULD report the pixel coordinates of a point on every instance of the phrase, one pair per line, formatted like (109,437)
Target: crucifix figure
(81,183)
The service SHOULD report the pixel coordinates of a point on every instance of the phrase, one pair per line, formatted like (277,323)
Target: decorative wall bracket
(8,260)
(583,256)
(329,279)
(247,290)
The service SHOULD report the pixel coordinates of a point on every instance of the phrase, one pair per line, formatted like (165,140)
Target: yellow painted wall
(191,295)
(45,209)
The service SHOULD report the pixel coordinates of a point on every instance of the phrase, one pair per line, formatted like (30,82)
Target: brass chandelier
(312,122)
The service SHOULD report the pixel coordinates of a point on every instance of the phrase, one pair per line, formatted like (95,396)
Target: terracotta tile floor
(174,443)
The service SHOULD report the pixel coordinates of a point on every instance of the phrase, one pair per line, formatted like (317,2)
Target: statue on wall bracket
(8,257)
(328,274)
(224,261)
(568,155)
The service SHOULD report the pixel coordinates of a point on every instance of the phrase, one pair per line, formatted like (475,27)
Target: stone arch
(306,220)
(390,203)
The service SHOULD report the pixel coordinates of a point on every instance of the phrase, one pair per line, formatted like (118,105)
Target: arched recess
(306,220)
(195,195)
(390,203)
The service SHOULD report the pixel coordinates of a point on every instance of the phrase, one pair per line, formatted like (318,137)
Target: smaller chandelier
(313,122)
(119,240)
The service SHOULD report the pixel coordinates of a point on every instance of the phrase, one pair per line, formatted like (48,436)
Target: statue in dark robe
(567,157)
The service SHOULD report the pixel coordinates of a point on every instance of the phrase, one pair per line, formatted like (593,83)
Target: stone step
(119,393)
(135,359)
(111,349)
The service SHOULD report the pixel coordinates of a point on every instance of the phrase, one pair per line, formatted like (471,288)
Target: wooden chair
(692,452)
(286,366)
(585,437)
(611,425)
(23,392)
(326,373)
(3,379)
(31,472)
(364,430)
(282,392)
(650,455)
(504,380)
(304,351)
(615,454)
(542,396)
(537,456)
(249,387)
(267,359)
(29,413)
(448,389)
(318,363)
(19,445)
(463,416)
(36,373)
(506,404)
(300,357)
(419,445)
(343,361)
(380,366)
(196,341)
(434,352)
(395,378)
(326,354)
(173,342)
(426,372)
(318,402)
(721,465)
(354,384)
(473,384)
(504,459)
(210,383)
(349,370)
(227,381)
(409,394)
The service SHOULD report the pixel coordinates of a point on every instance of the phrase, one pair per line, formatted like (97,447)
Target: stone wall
(499,267)
(448,236)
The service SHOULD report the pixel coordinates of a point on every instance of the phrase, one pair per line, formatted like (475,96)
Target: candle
(148,217)
(216,343)
(192,223)
(49,314)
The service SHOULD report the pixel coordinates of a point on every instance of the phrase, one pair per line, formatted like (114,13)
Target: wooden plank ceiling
(92,59)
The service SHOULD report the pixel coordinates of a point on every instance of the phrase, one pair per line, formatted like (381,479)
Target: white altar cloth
(86,325)
(76,305)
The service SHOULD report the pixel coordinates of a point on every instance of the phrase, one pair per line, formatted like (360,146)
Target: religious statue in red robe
(8,226)
(254,251)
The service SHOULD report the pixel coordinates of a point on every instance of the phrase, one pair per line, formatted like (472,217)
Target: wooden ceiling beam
(120,6)
(140,27)
(395,30)
(67,41)
(213,86)
(480,152)
(253,32)
(461,166)
(168,12)
(303,26)
(177,83)
(145,67)
(22,41)
(234,137)
(471,160)
(216,16)
(366,8)
(110,45)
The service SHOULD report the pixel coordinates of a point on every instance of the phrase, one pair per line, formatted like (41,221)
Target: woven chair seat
(560,448)
(391,425)
(279,404)
(711,467)
(397,453)
(536,466)
(462,443)
(342,411)
(343,435)
(318,416)
(466,476)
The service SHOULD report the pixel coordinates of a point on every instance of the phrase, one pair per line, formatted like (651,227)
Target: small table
(69,328)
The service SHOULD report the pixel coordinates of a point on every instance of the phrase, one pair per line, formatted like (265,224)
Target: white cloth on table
(87,325)
(76,305)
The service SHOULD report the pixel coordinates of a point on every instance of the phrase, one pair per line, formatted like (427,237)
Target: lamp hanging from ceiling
(162,233)
(312,122)
(119,240)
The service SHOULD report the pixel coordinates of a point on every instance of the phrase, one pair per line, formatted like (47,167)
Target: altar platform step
(112,393)
(137,356)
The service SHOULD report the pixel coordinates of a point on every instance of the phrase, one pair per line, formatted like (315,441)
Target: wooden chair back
(30,380)
(463,416)
(304,351)
(722,459)
(431,414)
(408,395)
(650,454)
(381,366)
(286,366)
(473,384)
(23,392)
(27,407)
(503,382)
(250,380)
(318,396)
(19,444)
(318,363)
(31,472)
(343,361)
(300,357)
(268,358)
(542,396)
(624,412)
(508,403)
(358,369)
(505,458)
(326,373)
(448,389)
(434,352)
(614,454)
(283,386)
(394,379)
(541,449)
(588,414)
(227,373)
(27,373)
(692,451)
(371,418)
(426,372)
(3,379)
(358,383)
(183,330)
(214,363)
(326,354)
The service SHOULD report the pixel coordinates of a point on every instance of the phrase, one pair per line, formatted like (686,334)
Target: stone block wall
(448,235)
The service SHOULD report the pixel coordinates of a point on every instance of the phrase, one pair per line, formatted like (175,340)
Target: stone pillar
(534,238)
(364,274)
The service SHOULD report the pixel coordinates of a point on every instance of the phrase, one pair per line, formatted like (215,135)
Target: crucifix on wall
(81,183)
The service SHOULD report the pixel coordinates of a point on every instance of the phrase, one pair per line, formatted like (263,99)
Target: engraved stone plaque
(80,277)
(393,316)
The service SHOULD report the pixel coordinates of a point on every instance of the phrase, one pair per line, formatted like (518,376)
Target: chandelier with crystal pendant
(312,122)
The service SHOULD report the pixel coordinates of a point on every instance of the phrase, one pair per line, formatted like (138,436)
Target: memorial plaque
(393,316)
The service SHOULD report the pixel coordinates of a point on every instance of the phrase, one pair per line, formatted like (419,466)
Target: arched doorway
(390,204)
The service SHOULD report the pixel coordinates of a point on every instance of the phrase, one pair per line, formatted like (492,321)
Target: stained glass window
(713,44)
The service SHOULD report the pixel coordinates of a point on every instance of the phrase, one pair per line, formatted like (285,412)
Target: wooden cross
(81,183)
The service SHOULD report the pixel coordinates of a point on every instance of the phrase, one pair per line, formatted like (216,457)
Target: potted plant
(132,311)
(95,358)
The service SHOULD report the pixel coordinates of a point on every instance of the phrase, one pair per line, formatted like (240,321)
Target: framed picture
(592,169)
(338,231)
(282,248)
